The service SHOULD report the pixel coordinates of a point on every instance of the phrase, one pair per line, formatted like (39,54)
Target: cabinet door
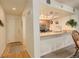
(60,42)
(68,40)
(47,45)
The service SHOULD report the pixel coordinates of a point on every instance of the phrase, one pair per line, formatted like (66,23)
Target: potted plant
(72,23)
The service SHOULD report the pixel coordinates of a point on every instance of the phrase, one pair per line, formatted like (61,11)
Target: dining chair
(75,36)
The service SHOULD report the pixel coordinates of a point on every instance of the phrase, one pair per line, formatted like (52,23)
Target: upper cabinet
(53,3)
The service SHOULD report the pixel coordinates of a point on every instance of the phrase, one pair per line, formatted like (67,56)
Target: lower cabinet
(52,43)
(47,45)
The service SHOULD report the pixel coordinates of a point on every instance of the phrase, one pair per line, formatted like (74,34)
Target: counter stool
(75,36)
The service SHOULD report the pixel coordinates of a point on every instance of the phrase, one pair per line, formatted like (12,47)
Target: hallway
(15,50)
(19,18)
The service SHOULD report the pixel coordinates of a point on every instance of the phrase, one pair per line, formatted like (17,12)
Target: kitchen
(55,34)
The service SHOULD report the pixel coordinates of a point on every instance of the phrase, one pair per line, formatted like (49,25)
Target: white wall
(28,38)
(14,28)
(75,16)
(31,35)
(2,31)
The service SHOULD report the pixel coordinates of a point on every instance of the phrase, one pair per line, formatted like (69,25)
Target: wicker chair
(75,36)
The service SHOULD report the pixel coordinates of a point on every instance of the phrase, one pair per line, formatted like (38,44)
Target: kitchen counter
(53,41)
(42,34)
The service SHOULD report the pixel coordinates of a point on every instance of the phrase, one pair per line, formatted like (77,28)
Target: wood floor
(15,50)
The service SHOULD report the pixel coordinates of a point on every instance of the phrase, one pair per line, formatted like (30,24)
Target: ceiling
(18,4)
(56,13)
(72,3)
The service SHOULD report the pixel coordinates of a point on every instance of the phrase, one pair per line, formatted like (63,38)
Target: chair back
(75,36)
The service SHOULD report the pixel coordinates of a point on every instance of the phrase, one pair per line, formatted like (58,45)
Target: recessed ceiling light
(13,8)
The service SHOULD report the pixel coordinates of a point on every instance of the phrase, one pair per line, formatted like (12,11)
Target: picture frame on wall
(1,23)
(48,1)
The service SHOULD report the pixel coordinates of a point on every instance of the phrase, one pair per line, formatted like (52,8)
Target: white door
(10,29)
(14,29)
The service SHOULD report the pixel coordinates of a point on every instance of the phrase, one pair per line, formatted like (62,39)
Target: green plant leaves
(71,22)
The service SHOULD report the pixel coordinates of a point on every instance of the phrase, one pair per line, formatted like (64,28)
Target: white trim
(36,29)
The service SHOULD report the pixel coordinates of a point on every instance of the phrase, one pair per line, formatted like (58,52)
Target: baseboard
(15,42)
